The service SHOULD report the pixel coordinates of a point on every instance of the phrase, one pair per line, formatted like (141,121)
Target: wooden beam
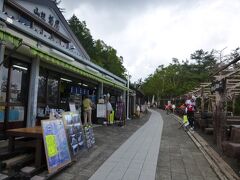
(234,86)
(233,80)
(233,104)
(226,66)
(220,77)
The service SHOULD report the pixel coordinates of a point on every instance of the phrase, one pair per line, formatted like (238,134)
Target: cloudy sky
(148,33)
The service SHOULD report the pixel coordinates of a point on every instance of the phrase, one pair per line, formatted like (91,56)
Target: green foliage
(178,78)
(100,53)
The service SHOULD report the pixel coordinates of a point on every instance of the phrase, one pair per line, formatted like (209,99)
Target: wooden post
(226,106)
(210,104)
(202,100)
(219,118)
(233,104)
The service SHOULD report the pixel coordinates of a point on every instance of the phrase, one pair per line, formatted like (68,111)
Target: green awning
(8,37)
(44,56)
(63,64)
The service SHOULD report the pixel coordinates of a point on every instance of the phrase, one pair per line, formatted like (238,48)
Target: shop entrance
(14,85)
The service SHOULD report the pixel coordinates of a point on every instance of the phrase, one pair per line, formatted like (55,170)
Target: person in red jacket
(190,109)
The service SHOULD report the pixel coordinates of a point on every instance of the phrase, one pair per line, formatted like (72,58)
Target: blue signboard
(56,145)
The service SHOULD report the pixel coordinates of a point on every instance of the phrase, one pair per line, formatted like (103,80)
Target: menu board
(75,135)
(89,135)
(101,110)
(72,107)
(55,144)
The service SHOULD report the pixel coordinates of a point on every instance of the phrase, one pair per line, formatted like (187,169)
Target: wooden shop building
(43,66)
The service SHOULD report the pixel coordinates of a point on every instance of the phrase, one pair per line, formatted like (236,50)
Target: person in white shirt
(138,111)
(173,108)
(108,108)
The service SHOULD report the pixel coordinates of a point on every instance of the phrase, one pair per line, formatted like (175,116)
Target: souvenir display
(89,136)
(74,131)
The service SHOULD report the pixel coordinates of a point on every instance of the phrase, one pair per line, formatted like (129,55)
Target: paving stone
(132,174)
(135,166)
(146,177)
(65,176)
(206,172)
(189,161)
(163,174)
(211,178)
(193,177)
(178,170)
(115,175)
(82,177)
(163,177)
(165,168)
(179,176)
(193,171)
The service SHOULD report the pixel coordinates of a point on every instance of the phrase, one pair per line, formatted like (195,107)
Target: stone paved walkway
(179,158)
(108,140)
(137,157)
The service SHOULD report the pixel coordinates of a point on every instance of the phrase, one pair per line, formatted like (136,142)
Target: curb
(220,167)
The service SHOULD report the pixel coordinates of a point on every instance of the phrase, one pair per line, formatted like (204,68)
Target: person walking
(173,108)
(120,111)
(87,110)
(190,109)
(138,111)
(109,108)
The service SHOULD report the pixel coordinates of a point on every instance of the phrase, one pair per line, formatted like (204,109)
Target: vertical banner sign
(55,144)
(75,135)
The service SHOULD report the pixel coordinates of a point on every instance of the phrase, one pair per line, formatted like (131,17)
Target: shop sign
(51,21)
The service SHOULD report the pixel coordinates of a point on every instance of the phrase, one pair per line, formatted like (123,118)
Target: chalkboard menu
(55,144)
(89,136)
(74,132)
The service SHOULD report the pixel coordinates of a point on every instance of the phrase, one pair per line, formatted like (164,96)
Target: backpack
(190,108)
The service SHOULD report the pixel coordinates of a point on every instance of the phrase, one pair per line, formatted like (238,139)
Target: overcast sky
(148,33)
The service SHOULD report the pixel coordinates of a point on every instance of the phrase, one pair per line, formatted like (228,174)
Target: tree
(83,34)
(178,78)
(99,52)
